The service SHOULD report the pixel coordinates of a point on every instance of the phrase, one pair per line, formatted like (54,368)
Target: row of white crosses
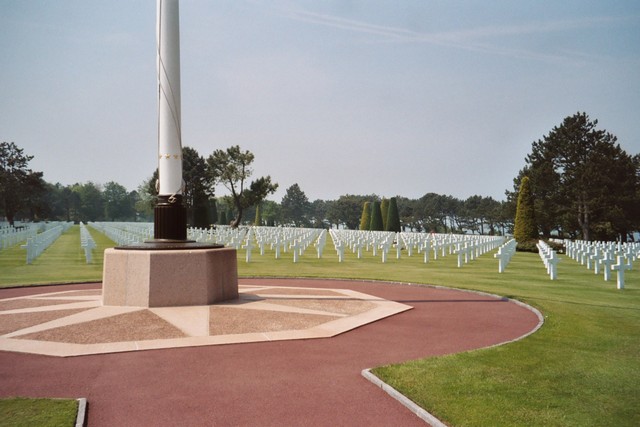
(36,245)
(467,247)
(278,239)
(505,253)
(604,257)
(86,242)
(125,233)
(283,239)
(358,241)
(221,235)
(472,247)
(11,236)
(549,258)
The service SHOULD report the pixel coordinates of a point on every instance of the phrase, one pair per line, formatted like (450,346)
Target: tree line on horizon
(581,184)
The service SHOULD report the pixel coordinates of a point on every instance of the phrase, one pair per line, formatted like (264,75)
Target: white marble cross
(620,268)
(248,247)
(552,269)
(340,250)
(503,258)
(607,262)
(296,246)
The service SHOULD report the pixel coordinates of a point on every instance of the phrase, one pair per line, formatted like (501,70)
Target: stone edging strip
(405,401)
(82,412)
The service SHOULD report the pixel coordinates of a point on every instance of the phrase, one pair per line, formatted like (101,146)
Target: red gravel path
(303,383)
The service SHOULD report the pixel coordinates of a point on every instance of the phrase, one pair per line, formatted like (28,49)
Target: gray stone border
(404,400)
(82,412)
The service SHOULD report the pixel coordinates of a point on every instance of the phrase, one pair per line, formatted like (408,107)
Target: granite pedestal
(169,278)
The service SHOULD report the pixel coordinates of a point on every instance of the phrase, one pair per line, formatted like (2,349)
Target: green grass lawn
(62,262)
(582,368)
(24,412)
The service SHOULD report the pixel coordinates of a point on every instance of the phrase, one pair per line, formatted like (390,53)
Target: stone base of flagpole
(190,275)
(169,271)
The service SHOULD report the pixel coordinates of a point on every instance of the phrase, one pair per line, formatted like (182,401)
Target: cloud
(481,39)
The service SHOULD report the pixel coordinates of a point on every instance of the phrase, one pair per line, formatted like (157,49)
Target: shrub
(393,218)
(376,217)
(525,227)
(365,218)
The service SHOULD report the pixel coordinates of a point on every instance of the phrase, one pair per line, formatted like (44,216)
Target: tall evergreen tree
(365,218)
(393,216)
(376,217)
(295,207)
(525,228)
(384,208)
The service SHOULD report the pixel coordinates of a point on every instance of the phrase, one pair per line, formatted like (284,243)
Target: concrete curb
(82,412)
(405,401)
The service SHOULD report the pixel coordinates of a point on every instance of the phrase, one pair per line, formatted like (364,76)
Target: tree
(347,210)
(295,207)
(232,168)
(91,203)
(270,212)
(146,200)
(384,209)
(525,228)
(17,181)
(36,205)
(117,203)
(376,217)
(365,218)
(407,209)
(582,181)
(197,190)
(319,209)
(431,213)
(393,216)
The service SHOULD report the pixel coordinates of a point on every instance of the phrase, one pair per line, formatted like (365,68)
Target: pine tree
(393,216)
(384,208)
(365,218)
(525,228)
(376,217)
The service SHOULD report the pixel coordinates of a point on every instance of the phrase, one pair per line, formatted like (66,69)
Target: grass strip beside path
(25,412)
(62,262)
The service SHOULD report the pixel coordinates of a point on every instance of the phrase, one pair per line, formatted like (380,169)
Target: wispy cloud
(482,39)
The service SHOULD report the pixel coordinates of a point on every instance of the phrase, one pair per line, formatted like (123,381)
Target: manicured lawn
(23,412)
(581,368)
(62,262)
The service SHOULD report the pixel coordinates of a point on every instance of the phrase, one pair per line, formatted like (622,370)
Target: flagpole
(170,216)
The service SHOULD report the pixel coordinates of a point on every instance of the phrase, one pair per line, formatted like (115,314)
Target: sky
(397,97)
